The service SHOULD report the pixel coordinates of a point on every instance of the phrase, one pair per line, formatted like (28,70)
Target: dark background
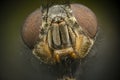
(17,63)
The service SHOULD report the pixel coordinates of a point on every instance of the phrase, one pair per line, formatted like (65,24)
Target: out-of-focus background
(17,63)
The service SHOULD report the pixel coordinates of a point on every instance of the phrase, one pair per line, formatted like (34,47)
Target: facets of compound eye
(31,28)
(85,18)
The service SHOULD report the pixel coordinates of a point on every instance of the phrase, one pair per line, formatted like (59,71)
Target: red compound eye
(86,19)
(31,28)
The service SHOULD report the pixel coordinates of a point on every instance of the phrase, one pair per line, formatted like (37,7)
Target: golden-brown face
(60,36)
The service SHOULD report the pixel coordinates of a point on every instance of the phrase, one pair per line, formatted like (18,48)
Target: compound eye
(31,28)
(85,18)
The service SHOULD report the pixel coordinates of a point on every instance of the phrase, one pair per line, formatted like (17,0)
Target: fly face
(61,36)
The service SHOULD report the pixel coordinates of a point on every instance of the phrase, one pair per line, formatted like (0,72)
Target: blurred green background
(12,60)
